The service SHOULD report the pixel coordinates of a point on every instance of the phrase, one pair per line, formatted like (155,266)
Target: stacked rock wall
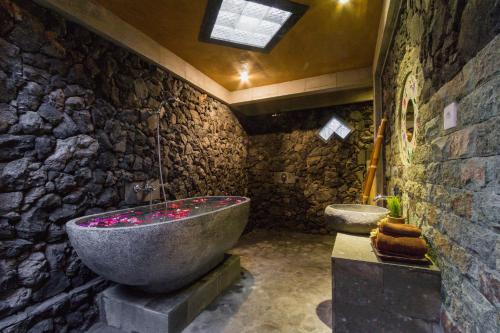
(76,130)
(452,187)
(293,175)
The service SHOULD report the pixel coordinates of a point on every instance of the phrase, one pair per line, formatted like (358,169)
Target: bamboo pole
(373,162)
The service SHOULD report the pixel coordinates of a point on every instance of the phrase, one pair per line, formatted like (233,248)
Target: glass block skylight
(336,126)
(248,23)
(254,25)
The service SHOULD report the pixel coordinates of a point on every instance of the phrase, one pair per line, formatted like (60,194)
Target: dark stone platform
(370,295)
(134,311)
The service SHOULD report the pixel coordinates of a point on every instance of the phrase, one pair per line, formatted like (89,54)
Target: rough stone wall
(452,187)
(293,174)
(76,129)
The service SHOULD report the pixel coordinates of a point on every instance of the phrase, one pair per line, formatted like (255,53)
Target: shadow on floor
(324,312)
(218,314)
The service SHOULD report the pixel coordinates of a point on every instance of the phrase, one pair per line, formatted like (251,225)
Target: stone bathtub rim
(73,223)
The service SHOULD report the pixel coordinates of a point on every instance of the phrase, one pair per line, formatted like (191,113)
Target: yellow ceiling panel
(330,37)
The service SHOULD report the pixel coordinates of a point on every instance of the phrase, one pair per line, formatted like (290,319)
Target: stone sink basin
(353,218)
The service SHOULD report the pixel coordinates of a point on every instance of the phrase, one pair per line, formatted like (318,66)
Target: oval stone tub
(160,250)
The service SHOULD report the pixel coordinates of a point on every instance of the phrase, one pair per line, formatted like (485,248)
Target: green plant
(394,206)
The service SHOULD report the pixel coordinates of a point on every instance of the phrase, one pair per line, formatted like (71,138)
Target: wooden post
(373,162)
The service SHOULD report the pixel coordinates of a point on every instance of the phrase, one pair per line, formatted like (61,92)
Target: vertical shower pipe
(170,103)
(373,162)
(158,148)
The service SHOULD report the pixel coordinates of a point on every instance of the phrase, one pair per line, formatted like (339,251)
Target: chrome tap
(147,188)
(379,197)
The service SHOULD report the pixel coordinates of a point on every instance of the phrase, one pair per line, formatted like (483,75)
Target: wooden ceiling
(330,37)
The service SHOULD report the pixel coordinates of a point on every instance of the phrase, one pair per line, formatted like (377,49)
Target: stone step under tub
(129,310)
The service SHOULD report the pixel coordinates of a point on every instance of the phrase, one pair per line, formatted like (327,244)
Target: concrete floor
(285,287)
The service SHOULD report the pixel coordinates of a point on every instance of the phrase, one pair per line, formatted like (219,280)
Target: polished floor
(285,287)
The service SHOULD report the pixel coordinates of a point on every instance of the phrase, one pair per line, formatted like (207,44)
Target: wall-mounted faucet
(147,188)
(379,197)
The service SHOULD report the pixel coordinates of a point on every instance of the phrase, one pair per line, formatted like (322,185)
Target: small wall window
(334,126)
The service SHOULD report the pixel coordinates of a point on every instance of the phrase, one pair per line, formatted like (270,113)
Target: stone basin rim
(73,223)
(344,207)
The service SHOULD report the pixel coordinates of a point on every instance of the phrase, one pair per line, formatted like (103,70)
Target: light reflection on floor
(285,287)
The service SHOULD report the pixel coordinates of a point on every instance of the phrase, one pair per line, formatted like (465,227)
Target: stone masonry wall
(293,174)
(76,130)
(452,187)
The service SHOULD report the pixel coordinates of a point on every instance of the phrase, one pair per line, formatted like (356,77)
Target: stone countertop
(358,248)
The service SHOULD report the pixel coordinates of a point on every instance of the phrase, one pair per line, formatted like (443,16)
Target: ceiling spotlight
(244,75)
(343,2)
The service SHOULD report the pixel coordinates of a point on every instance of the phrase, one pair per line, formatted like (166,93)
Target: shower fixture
(170,102)
(173,100)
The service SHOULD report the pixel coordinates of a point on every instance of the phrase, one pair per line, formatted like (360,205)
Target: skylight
(255,24)
(248,23)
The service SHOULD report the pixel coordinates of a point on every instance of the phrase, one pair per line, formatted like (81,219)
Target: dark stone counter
(370,295)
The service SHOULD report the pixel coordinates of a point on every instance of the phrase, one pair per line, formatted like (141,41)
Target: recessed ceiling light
(244,75)
(343,2)
(253,25)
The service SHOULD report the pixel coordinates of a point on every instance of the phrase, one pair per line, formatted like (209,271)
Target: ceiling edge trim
(387,30)
(345,80)
(380,34)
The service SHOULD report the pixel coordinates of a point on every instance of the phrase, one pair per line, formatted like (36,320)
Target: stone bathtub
(160,250)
